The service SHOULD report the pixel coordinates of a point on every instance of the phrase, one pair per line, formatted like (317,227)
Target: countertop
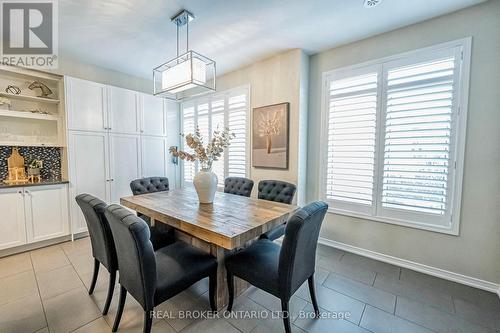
(42,183)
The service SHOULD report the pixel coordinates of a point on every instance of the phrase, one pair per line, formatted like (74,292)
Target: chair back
(298,251)
(101,238)
(136,259)
(149,185)
(238,185)
(277,190)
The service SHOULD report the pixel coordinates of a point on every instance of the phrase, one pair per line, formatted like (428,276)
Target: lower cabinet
(13,223)
(33,214)
(46,211)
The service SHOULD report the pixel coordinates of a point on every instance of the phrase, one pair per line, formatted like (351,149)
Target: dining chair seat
(153,277)
(258,264)
(178,266)
(161,234)
(281,270)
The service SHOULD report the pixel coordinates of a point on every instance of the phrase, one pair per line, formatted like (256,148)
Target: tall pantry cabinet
(116,135)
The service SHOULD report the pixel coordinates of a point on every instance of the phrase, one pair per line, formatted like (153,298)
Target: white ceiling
(133,36)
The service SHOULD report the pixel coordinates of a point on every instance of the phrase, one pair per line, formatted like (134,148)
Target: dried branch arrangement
(205,155)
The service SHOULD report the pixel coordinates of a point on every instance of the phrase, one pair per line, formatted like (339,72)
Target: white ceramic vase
(205,183)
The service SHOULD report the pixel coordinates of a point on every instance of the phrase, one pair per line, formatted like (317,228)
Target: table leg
(222,294)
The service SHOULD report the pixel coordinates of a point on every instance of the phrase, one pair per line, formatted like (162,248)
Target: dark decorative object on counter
(51,157)
(13,90)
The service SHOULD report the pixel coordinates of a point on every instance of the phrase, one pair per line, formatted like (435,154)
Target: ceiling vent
(372,3)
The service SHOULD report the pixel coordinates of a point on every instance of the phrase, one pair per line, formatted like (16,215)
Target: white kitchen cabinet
(154,156)
(86,105)
(154,115)
(89,171)
(13,225)
(46,212)
(125,164)
(124,111)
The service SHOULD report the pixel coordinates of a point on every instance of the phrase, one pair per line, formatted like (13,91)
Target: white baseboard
(438,272)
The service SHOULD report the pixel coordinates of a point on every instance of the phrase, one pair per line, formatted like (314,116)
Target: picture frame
(271,136)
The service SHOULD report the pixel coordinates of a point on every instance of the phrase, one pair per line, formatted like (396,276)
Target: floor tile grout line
(357,299)
(85,287)
(453,304)
(39,293)
(362,314)
(89,323)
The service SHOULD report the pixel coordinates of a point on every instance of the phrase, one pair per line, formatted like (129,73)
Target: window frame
(225,95)
(458,139)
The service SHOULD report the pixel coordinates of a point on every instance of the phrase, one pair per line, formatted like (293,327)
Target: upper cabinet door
(13,226)
(123,110)
(125,164)
(154,120)
(46,211)
(86,104)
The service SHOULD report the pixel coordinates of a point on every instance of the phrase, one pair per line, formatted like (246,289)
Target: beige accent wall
(476,251)
(281,78)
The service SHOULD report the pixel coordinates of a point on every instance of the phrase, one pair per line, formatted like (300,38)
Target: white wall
(78,69)
(278,79)
(476,251)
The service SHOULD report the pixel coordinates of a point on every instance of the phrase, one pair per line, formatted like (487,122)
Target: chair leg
(212,281)
(230,287)
(94,277)
(111,288)
(119,312)
(312,291)
(148,321)
(286,316)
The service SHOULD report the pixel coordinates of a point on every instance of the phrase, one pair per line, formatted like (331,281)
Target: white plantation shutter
(237,123)
(352,113)
(418,149)
(227,109)
(188,127)
(394,138)
(218,124)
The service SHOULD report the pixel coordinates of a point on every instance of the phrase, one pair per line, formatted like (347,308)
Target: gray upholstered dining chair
(277,191)
(281,270)
(161,234)
(238,186)
(101,239)
(153,277)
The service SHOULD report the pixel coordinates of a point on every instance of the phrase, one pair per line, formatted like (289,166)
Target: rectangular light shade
(188,75)
(184,75)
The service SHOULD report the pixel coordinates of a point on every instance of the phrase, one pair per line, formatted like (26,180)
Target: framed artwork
(270,136)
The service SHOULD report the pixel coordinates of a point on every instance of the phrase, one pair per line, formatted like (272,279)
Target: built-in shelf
(30,98)
(28,115)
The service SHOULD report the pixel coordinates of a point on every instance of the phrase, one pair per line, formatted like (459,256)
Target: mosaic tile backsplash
(51,157)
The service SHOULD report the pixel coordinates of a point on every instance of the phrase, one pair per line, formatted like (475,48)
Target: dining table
(229,223)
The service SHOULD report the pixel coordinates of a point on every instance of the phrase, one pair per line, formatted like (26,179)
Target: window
(226,109)
(393,138)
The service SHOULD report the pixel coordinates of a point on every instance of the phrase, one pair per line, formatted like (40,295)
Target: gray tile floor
(46,291)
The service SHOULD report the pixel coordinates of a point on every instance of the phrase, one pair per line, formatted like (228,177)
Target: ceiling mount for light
(189,74)
(372,3)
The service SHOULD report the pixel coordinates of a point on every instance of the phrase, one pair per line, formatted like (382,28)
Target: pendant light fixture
(189,74)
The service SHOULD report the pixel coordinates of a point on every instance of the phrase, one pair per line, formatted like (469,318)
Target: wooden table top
(229,222)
